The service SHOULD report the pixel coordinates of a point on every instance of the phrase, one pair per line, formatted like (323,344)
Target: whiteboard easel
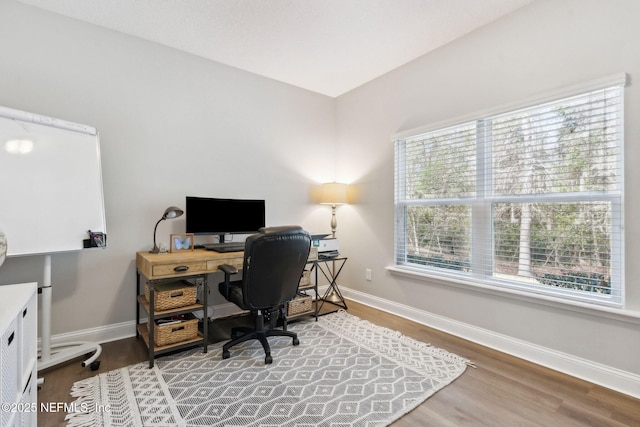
(51,195)
(51,355)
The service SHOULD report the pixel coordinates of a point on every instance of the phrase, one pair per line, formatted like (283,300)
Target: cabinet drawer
(179,269)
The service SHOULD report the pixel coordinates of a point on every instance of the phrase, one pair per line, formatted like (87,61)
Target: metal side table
(331,269)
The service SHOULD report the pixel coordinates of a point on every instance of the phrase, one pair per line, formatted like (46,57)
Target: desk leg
(137,303)
(151,326)
(205,317)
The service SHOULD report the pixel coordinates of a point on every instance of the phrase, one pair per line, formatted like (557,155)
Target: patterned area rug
(345,372)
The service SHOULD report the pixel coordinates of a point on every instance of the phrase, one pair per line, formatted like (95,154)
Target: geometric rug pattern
(345,372)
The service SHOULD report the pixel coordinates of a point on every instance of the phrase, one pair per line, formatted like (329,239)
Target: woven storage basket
(305,280)
(176,332)
(172,295)
(299,305)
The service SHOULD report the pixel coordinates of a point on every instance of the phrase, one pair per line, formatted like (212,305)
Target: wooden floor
(500,391)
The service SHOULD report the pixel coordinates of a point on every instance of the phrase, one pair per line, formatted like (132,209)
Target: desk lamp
(333,194)
(169,213)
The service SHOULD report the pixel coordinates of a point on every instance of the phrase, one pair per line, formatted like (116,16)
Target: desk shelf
(143,330)
(159,314)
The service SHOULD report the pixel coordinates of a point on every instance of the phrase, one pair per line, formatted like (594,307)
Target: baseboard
(118,331)
(603,375)
(101,334)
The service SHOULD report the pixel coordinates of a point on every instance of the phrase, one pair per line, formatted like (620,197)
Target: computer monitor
(213,216)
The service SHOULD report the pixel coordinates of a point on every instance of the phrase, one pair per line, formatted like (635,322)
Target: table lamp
(334,193)
(169,213)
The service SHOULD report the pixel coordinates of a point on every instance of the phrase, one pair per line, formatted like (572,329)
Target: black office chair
(274,260)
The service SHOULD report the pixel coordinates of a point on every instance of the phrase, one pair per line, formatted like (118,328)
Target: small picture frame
(181,242)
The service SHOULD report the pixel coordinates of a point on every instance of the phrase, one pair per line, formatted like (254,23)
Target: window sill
(618,314)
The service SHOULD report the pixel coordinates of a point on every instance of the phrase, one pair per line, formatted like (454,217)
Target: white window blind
(530,199)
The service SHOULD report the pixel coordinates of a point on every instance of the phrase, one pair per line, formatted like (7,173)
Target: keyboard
(224,247)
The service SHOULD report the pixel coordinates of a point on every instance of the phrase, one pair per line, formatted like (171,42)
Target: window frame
(482,272)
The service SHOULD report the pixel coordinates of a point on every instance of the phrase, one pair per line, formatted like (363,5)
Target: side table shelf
(302,291)
(330,269)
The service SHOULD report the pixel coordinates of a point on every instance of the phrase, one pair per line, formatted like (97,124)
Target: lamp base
(333,297)
(334,221)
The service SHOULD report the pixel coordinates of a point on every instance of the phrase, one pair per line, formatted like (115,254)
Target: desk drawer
(179,269)
(236,262)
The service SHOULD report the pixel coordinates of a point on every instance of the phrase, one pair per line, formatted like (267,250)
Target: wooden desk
(159,268)
(181,264)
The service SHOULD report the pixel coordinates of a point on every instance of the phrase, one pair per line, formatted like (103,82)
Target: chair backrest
(274,260)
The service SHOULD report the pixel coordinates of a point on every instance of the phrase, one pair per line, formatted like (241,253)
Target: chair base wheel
(268,359)
(226,355)
(296,341)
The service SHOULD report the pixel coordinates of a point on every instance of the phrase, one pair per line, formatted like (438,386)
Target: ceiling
(326,46)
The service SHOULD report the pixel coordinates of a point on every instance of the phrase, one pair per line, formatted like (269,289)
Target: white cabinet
(18,354)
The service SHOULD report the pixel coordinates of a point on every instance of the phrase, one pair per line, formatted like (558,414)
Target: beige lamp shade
(334,193)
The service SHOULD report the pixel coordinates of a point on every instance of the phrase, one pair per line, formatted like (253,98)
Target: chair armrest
(228,269)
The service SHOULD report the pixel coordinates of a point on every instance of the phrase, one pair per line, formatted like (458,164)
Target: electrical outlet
(367,274)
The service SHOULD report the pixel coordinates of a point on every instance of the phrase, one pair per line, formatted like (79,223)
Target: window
(529,199)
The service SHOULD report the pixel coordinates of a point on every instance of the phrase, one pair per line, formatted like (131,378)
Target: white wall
(542,47)
(171,125)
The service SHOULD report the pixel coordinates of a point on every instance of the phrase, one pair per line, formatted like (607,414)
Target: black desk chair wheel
(274,260)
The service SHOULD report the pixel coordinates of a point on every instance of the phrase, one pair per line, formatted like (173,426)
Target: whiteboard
(50,183)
